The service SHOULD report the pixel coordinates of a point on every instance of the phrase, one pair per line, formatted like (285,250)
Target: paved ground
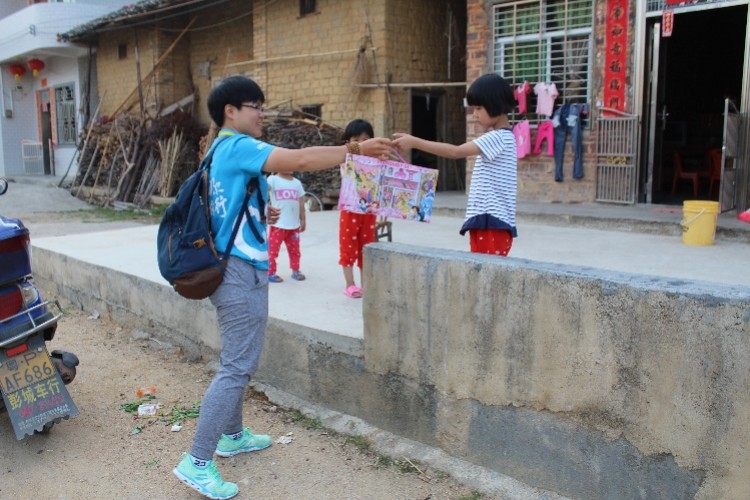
(569,235)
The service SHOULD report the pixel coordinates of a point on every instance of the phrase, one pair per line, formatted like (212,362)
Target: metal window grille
(65,111)
(313,110)
(306,7)
(617,157)
(545,41)
(660,5)
(33,157)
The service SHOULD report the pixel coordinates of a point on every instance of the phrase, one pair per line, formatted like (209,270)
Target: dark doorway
(424,115)
(45,118)
(700,65)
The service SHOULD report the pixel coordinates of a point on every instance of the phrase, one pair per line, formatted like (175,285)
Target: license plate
(25,369)
(33,392)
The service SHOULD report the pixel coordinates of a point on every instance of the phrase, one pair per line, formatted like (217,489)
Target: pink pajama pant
(290,237)
(545,131)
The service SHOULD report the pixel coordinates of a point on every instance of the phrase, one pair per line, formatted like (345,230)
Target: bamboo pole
(293,57)
(157,64)
(99,170)
(93,157)
(85,142)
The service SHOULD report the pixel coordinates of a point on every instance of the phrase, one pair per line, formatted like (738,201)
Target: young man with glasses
(241,301)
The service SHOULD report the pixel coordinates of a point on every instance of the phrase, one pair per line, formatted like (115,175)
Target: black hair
(493,93)
(234,90)
(356,128)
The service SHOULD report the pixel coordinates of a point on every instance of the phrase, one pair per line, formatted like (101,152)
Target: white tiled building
(44,113)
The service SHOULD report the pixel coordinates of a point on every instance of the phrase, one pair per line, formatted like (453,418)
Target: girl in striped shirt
(491,204)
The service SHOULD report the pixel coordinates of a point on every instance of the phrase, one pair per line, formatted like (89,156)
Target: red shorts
(355,231)
(490,241)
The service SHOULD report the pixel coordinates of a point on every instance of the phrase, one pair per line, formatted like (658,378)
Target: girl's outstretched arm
(405,142)
(321,157)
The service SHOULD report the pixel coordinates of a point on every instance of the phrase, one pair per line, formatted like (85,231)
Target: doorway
(689,75)
(424,120)
(45,124)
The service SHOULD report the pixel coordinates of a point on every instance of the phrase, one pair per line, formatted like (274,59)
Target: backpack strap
(205,163)
(253,185)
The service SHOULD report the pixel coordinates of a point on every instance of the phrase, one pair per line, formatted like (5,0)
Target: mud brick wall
(321,59)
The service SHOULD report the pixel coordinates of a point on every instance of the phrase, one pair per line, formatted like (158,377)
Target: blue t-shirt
(237,159)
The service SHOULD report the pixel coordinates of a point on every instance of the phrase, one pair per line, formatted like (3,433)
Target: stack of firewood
(128,160)
(298,132)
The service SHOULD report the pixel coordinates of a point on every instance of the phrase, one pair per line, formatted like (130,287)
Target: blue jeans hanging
(568,118)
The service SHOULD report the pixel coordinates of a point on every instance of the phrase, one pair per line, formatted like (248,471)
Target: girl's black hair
(234,90)
(493,93)
(356,128)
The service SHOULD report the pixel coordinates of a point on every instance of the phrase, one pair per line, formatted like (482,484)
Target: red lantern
(36,65)
(17,70)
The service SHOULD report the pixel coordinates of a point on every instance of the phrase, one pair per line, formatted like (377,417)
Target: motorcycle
(32,380)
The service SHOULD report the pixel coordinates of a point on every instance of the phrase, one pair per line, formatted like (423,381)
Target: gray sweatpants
(241,303)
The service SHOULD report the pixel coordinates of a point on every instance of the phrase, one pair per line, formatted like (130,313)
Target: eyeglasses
(256,107)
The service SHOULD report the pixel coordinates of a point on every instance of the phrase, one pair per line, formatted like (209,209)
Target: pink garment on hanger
(546,93)
(520,94)
(545,131)
(522,133)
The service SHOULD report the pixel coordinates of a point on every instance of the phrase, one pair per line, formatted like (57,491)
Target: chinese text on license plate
(25,369)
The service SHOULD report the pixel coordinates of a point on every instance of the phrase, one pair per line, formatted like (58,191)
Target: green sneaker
(205,480)
(229,447)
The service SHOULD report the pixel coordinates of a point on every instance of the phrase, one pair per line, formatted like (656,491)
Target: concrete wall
(589,383)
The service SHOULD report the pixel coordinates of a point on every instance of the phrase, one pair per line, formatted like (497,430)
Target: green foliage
(474,495)
(132,407)
(177,414)
(299,418)
(361,442)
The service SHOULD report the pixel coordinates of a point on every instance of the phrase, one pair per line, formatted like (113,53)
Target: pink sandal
(354,292)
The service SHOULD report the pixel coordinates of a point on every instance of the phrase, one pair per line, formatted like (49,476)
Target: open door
(45,119)
(730,153)
(655,113)
(688,76)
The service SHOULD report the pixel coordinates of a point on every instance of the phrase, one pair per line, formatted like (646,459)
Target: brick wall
(214,52)
(536,172)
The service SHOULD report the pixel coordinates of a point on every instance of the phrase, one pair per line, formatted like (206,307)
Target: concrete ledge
(588,383)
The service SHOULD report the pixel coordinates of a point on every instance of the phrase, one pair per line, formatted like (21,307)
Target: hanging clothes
(545,131)
(522,133)
(546,93)
(566,119)
(520,93)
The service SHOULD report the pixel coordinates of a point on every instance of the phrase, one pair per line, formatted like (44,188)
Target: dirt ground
(106,453)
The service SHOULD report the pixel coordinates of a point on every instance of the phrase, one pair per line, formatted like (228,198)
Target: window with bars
(545,41)
(65,113)
(313,110)
(306,7)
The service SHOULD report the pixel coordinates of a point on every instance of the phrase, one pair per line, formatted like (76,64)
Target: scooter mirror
(3,185)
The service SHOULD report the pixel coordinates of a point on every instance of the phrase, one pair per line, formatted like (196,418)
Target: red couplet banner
(617,43)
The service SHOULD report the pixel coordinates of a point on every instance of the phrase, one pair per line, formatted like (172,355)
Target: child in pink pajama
(286,193)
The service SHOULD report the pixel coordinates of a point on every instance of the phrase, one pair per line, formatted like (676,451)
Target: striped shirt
(494,180)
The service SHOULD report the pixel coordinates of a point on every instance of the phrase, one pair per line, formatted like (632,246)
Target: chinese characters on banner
(387,188)
(667,23)
(617,43)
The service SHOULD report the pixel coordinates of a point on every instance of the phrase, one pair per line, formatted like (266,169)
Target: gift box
(15,250)
(387,188)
